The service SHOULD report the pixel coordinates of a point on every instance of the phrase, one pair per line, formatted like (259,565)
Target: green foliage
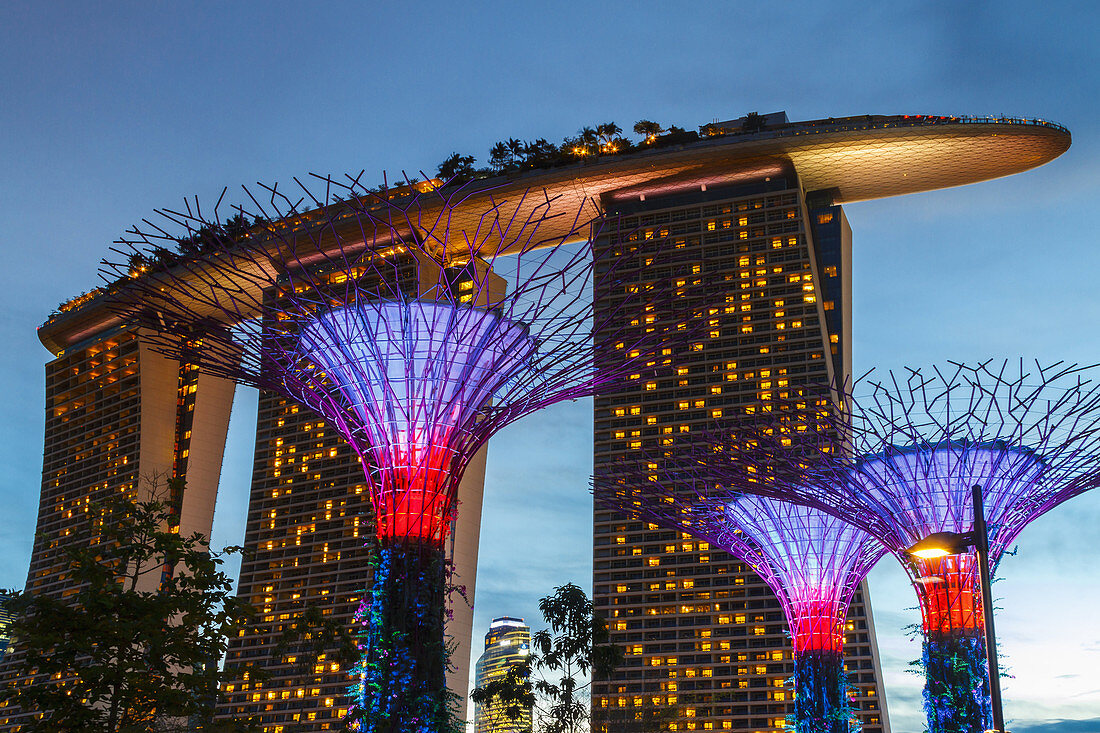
(754,122)
(649,130)
(555,680)
(457,166)
(399,682)
(136,645)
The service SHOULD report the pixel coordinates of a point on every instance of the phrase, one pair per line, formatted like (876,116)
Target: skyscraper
(507,644)
(753,208)
(769,269)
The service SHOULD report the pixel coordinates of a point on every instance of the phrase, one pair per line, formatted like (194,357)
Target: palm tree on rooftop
(589,139)
(608,133)
(515,150)
(498,156)
(649,130)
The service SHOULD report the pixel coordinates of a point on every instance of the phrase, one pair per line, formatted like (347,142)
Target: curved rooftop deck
(855,158)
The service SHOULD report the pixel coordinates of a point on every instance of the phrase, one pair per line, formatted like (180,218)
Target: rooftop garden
(515,156)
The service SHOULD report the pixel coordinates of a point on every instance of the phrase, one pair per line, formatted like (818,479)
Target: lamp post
(981,544)
(940,544)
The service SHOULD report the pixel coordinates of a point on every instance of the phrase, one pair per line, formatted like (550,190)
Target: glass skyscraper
(507,644)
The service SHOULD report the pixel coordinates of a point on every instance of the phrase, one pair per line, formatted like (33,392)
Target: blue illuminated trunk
(956,688)
(400,684)
(821,693)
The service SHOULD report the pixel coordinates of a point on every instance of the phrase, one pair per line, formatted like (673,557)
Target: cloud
(1091,725)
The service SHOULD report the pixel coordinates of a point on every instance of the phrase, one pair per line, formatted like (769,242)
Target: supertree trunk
(821,702)
(956,689)
(821,692)
(401,684)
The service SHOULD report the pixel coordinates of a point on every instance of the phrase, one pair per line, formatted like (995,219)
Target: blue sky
(110,110)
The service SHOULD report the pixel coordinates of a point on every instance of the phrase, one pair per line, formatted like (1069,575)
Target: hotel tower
(747,220)
(769,269)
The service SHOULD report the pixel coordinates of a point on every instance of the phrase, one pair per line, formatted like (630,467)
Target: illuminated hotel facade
(769,268)
(751,210)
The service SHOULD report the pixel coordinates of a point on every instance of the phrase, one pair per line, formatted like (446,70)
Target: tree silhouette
(457,166)
(649,131)
(498,156)
(553,679)
(754,122)
(515,150)
(608,135)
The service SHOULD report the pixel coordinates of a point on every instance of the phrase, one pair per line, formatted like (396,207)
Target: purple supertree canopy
(913,448)
(811,560)
(417,328)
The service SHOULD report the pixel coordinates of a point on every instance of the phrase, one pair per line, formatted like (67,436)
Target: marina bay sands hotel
(754,215)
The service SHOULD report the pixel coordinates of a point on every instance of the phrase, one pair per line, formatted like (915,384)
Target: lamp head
(941,544)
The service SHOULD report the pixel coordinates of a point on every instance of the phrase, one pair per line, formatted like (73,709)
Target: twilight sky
(108,110)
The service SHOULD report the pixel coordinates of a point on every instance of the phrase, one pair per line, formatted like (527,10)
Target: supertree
(919,452)
(811,560)
(387,313)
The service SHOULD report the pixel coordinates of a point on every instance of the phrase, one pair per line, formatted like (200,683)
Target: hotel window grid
(706,641)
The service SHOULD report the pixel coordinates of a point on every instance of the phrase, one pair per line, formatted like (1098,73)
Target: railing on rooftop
(875,123)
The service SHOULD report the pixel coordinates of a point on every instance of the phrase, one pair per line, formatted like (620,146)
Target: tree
(457,166)
(515,150)
(564,659)
(136,646)
(754,122)
(540,153)
(498,156)
(649,131)
(608,134)
(590,139)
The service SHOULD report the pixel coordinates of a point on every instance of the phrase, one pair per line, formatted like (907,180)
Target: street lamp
(940,544)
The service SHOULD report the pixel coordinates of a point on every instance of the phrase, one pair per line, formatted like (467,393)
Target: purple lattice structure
(811,560)
(391,316)
(915,447)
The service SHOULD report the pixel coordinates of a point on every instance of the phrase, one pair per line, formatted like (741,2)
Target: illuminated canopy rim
(926,488)
(414,371)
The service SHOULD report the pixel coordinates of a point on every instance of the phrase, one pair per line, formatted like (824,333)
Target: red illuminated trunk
(817,625)
(413,501)
(950,597)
